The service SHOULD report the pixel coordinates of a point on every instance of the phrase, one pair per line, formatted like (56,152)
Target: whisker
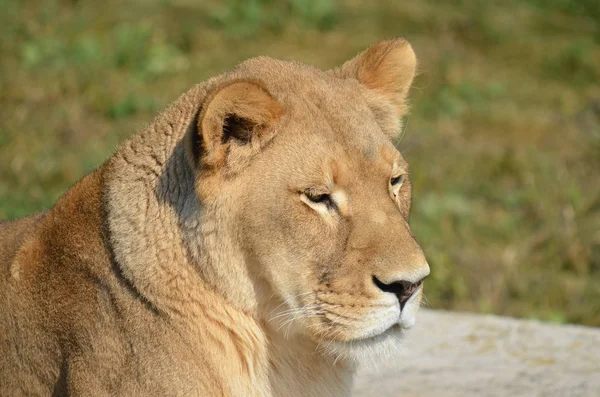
(304,312)
(403,132)
(425,302)
(290,311)
(284,302)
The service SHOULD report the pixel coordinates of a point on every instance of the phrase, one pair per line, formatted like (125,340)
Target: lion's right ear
(235,122)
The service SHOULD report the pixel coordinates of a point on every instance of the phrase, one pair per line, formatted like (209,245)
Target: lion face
(333,238)
(322,195)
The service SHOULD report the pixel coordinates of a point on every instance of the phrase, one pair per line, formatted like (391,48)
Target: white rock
(456,354)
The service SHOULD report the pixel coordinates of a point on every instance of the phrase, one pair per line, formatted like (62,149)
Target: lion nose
(402,289)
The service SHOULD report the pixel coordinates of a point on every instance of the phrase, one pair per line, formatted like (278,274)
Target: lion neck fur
(182,257)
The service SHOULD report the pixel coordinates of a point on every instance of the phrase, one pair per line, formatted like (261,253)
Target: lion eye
(398,180)
(312,197)
(319,198)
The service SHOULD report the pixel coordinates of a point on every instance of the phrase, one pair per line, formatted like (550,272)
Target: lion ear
(235,122)
(388,69)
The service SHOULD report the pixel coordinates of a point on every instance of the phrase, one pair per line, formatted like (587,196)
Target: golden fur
(228,249)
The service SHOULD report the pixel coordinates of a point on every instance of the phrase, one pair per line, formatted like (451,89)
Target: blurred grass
(504,134)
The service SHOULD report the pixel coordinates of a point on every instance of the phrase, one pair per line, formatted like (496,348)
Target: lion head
(314,195)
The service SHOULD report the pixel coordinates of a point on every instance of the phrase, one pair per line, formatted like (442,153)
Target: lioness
(253,240)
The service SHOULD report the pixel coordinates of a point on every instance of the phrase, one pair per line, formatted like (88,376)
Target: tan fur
(194,261)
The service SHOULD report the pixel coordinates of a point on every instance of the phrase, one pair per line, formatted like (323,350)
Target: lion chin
(372,350)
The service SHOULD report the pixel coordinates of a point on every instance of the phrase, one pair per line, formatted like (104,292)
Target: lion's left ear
(388,69)
(236,121)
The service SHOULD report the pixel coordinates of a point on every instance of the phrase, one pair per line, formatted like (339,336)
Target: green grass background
(503,138)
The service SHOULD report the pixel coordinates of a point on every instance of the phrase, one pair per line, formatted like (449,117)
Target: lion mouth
(360,347)
(406,321)
(394,330)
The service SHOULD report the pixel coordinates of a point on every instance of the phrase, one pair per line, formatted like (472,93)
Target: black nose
(402,288)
